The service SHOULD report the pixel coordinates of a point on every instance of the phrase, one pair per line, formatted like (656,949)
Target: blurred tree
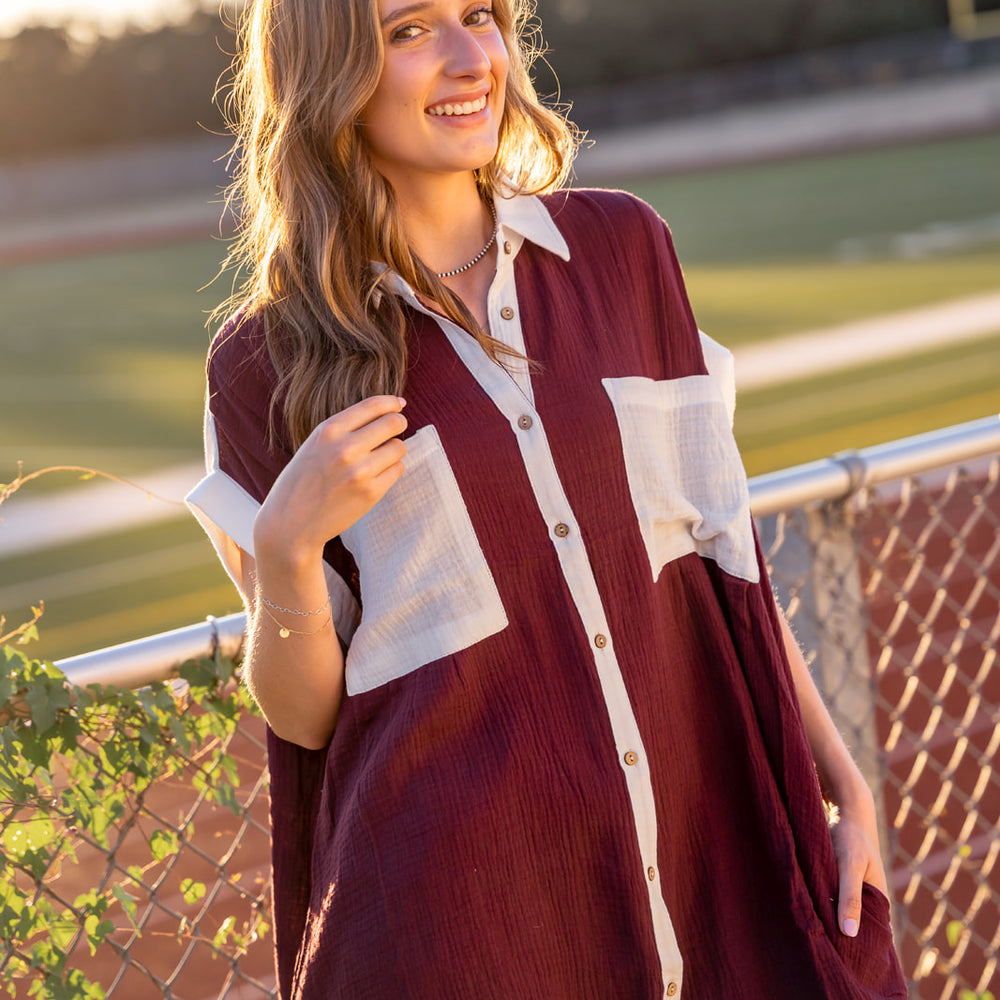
(594,42)
(36,73)
(130,87)
(136,86)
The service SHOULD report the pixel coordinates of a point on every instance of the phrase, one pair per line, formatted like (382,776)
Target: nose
(466,55)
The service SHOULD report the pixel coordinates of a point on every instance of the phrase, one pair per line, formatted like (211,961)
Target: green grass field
(811,208)
(103,355)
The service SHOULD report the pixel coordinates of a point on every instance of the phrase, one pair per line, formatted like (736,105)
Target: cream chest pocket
(684,472)
(426,590)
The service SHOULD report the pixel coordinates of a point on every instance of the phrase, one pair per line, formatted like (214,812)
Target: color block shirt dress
(570,763)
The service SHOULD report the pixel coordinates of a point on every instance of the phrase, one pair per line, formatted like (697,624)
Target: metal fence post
(842,668)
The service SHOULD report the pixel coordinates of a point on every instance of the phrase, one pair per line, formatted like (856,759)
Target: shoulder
(242,391)
(238,359)
(618,212)
(601,225)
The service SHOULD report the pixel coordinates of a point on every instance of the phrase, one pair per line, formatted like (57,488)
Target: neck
(448,225)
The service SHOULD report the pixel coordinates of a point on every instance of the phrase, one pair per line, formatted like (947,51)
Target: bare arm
(855,835)
(341,471)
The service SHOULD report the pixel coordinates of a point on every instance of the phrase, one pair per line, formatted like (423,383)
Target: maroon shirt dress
(570,763)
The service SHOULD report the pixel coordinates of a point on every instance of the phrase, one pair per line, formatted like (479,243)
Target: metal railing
(888,563)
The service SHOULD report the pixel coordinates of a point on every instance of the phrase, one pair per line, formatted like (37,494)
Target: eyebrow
(406,11)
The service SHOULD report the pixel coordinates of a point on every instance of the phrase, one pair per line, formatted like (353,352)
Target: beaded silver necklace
(482,253)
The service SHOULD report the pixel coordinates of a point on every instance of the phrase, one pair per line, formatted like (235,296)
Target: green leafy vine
(75,767)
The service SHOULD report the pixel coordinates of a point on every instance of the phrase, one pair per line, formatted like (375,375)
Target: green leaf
(192,891)
(30,634)
(48,958)
(198,674)
(96,930)
(100,822)
(91,902)
(128,902)
(179,733)
(32,834)
(223,933)
(79,987)
(38,861)
(17,968)
(953,932)
(63,929)
(225,795)
(45,700)
(163,843)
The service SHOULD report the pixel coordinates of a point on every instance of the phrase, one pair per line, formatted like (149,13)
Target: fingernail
(402,402)
(851,927)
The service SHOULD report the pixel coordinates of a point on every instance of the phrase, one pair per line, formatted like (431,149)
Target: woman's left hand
(855,841)
(855,834)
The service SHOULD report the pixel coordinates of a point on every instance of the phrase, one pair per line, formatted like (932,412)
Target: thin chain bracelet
(287,611)
(284,631)
(292,611)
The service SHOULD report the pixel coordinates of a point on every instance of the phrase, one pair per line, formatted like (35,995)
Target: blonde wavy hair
(314,212)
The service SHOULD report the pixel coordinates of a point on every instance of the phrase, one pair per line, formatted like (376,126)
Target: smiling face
(440,98)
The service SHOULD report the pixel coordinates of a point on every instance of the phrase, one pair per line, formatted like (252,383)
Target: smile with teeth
(456,110)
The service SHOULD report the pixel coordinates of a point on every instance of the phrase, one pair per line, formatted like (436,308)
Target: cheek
(499,61)
(401,91)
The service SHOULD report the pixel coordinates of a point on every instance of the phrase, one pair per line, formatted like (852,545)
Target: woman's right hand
(345,466)
(293,664)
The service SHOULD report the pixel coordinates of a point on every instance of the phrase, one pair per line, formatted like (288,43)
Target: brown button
(630,758)
(671,989)
(600,641)
(507,248)
(562,530)
(525,422)
(651,872)
(507,312)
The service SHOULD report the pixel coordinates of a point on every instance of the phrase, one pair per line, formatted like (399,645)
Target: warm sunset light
(434,564)
(107,15)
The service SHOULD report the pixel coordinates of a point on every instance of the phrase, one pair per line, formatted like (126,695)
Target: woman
(533,728)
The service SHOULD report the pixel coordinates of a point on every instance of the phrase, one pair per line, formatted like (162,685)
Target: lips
(458,108)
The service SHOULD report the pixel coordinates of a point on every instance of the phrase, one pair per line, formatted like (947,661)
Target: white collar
(525,215)
(521,216)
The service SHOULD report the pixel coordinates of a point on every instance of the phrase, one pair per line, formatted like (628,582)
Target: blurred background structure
(831,174)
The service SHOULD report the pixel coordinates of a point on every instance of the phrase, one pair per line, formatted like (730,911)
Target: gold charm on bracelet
(284,631)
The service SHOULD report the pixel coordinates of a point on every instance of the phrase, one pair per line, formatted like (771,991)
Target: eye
(404,32)
(480,17)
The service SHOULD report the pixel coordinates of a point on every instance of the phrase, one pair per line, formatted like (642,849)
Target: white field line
(101,508)
(834,122)
(97,508)
(852,345)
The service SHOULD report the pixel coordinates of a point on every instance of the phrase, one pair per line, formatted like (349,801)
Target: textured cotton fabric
(570,762)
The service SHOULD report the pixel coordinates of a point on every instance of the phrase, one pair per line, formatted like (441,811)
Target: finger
(383,482)
(378,432)
(366,483)
(849,901)
(381,459)
(364,412)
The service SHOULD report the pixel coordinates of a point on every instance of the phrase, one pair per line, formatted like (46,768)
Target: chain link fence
(896,594)
(888,562)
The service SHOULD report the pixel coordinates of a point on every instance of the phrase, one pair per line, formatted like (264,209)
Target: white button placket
(505,317)
(554,507)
